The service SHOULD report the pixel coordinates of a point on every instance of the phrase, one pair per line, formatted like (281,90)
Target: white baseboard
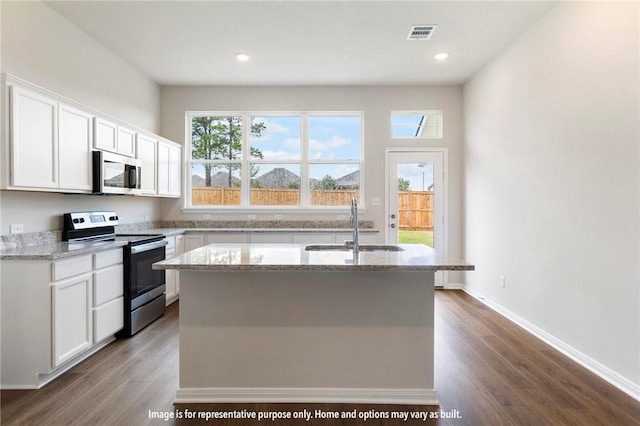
(454,286)
(625,385)
(306,395)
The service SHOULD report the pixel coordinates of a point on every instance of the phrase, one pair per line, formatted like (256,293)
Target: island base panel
(294,336)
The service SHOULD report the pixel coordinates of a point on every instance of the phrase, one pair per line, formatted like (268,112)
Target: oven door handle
(148,246)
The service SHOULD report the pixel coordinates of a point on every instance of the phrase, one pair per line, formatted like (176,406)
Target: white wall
(40,46)
(375,102)
(552,185)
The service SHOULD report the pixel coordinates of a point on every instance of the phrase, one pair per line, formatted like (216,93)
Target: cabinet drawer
(108,284)
(108,319)
(171,242)
(62,269)
(108,258)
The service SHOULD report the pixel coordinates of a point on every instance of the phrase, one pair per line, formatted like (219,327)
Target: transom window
(283,160)
(416,124)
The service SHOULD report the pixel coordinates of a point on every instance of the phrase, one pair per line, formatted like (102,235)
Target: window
(416,124)
(272,160)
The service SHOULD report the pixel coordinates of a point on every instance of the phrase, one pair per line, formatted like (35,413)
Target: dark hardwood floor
(488,372)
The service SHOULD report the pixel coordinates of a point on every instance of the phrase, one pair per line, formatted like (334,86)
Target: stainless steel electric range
(144,288)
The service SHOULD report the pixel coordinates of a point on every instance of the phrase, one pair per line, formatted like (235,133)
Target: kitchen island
(280,323)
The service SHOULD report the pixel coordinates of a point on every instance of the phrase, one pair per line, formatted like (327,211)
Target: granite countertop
(57,250)
(272,257)
(177,231)
(47,248)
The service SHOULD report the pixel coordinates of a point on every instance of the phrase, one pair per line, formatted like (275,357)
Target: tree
(327,182)
(220,138)
(403,184)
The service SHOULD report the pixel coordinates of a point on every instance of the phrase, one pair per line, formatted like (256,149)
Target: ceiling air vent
(421,32)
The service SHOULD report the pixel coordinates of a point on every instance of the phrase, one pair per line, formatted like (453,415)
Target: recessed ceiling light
(441,56)
(242,57)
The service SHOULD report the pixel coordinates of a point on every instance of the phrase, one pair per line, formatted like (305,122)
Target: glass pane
(216,184)
(335,137)
(216,138)
(275,138)
(415,203)
(425,124)
(275,184)
(333,184)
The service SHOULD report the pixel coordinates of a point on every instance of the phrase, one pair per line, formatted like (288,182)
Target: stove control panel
(87,220)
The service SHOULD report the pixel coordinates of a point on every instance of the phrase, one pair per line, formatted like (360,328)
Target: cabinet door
(146,148)
(179,250)
(163,169)
(75,139)
(227,237)
(175,181)
(71,318)
(169,170)
(171,292)
(108,319)
(106,135)
(34,143)
(280,237)
(313,238)
(192,242)
(126,141)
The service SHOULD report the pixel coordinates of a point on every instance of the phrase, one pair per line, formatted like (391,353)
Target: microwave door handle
(133,177)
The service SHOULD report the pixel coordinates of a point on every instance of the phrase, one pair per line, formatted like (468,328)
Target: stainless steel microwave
(115,174)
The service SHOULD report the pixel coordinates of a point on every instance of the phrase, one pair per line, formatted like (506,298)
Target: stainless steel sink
(362,247)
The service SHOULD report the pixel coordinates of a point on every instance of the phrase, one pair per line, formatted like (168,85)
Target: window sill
(345,210)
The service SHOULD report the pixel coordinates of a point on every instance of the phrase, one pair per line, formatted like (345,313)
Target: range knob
(113,218)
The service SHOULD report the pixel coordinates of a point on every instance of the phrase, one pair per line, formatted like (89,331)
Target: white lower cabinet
(71,300)
(88,304)
(56,313)
(108,319)
(175,247)
(108,294)
(193,241)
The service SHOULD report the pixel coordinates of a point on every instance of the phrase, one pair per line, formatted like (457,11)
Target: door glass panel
(415,203)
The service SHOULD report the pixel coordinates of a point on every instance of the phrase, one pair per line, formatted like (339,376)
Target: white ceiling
(302,42)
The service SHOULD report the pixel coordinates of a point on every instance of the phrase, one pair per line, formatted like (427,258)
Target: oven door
(142,277)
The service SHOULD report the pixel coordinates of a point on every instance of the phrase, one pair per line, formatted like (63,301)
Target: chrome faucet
(354,223)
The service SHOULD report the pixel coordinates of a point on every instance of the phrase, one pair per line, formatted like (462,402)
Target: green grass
(416,237)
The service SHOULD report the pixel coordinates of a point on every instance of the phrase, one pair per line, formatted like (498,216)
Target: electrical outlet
(502,281)
(342,217)
(376,201)
(147,218)
(206,216)
(277,217)
(16,229)
(251,217)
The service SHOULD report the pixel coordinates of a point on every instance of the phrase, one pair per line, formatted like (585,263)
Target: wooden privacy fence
(221,196)
(415,208)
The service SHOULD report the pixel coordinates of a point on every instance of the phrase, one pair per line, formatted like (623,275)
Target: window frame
(423,112)
(246,161)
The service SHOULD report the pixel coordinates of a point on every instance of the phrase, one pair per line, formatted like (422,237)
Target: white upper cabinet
(50,143)
(126,141)
(106,135)
(114,138)
(169,170)
(75,139)
(34,139)
(147,153)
